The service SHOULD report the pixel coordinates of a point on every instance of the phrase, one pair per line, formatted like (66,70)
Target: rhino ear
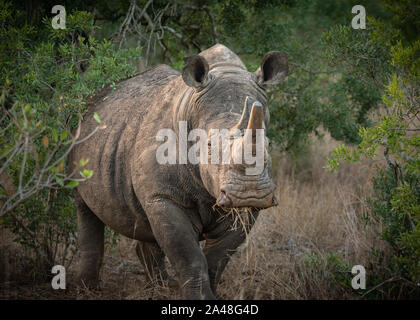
(274,68)
(195,71)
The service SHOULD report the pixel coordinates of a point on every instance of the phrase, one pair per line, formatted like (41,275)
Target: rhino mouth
(257,198)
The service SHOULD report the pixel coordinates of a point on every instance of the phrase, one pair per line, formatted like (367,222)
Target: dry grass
(318,213)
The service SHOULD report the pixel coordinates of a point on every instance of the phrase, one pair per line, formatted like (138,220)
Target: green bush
(44,97)
(395,203)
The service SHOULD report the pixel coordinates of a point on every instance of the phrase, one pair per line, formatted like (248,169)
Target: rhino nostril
(223,200)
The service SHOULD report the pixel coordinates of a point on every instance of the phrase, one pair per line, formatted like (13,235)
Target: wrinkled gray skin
(169,208)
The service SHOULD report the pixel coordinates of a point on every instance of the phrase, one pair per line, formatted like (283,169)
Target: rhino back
(124,111)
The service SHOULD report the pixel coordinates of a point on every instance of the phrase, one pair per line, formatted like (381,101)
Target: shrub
(395,203)
(43,99)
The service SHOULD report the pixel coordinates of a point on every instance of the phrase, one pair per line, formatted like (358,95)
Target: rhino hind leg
(91,244)
(152,258)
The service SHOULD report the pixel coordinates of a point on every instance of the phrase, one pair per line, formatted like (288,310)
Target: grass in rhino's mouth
(240,217)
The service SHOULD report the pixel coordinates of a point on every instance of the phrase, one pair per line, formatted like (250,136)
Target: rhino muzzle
(257,194)
(226,200)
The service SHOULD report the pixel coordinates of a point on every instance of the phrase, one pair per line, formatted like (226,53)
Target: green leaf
(59,181)
(54,134)
(27,108)
(87,173)
(72,184)
(83,162)
(96,116)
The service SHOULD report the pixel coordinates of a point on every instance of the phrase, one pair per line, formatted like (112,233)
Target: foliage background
(358,86)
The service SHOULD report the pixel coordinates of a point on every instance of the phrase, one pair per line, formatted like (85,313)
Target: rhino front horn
(255,121)
(257,116)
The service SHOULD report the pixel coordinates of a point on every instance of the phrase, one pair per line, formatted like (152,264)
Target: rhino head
(226,97)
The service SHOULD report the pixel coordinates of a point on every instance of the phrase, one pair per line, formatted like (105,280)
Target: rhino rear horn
(243,121)
(274,68)
(195,71)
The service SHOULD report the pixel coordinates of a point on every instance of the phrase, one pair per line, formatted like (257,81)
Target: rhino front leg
(219,248)
(152,258)
(91,243)
(178,239)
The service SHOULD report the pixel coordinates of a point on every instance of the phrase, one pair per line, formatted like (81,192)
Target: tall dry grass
(318,215)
